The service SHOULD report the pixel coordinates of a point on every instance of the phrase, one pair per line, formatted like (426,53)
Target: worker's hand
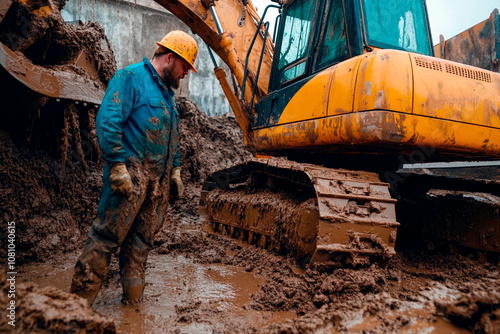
(175,177)
(120,180)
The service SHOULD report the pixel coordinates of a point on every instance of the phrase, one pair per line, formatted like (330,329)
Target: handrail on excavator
(257,31)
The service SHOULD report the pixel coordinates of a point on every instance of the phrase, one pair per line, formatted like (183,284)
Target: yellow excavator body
(394,100)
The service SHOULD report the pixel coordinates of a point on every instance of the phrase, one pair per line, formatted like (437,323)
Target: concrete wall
(477,46)
(133,27)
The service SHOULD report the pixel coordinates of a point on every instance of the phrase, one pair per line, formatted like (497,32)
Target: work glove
(120,180)
(175,178)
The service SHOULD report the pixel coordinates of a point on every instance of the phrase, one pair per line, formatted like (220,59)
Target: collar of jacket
(155,75)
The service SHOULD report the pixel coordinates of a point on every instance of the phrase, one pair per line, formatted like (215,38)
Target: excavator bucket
(54,76)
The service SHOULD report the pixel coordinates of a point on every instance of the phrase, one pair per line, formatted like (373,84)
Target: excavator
(343,94)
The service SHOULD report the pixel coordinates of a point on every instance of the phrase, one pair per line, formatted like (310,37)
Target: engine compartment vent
(453,69)
(433,65)
(468,73)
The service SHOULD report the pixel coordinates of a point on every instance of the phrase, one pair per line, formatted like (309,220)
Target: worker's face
(176,69)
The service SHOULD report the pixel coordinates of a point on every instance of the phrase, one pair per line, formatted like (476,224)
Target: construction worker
(137,128)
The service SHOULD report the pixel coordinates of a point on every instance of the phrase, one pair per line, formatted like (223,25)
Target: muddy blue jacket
(138,119)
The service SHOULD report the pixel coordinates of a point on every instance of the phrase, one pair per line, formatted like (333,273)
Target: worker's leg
(139,241)
(115,216)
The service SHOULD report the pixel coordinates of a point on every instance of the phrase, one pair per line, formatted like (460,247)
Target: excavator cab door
(313,35)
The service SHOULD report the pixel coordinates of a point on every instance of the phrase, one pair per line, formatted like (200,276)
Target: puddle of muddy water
(180,295)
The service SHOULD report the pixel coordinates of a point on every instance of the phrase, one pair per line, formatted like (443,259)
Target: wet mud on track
(201,283)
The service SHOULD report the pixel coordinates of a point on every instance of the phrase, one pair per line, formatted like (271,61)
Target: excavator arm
(231,40)
(239,24)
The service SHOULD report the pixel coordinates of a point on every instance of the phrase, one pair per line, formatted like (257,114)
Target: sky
(447,18)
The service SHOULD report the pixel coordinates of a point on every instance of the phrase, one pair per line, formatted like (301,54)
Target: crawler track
(322,216)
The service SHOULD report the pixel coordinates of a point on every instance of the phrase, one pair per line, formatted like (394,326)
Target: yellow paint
(384,81)
(42,7)
(331,92)
(378,80)
(453,91)
(343,83)
(310,101)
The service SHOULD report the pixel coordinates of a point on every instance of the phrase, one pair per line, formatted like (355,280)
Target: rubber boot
(133,288)
(88,291)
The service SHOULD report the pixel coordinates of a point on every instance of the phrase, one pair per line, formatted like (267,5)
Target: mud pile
(38,31)
(56,64)
(207,144)
(51,213)
(412,294)
(49,310)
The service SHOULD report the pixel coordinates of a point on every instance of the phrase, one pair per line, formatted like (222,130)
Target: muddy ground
(201,283)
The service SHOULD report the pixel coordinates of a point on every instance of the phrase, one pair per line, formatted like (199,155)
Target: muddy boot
(88,290)
(91,269)
(133,289)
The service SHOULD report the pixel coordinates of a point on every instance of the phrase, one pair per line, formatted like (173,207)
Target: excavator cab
(347,28)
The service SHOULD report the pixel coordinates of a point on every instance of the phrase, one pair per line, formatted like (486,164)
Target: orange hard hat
(182,44)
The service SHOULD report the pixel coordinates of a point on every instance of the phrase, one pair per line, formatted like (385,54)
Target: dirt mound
(208,143)
(53,210)
(477,311)
(49,310)
(47,40)
(416,288)
(51,213)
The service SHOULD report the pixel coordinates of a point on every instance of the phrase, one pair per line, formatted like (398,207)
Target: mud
(49,310)
(49,41)
(51,213)
(416,292)
(203,283)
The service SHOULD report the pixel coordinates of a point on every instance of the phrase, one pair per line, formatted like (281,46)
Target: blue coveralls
(137,124)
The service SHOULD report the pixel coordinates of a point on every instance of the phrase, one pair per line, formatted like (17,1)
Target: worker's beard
(170,80)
